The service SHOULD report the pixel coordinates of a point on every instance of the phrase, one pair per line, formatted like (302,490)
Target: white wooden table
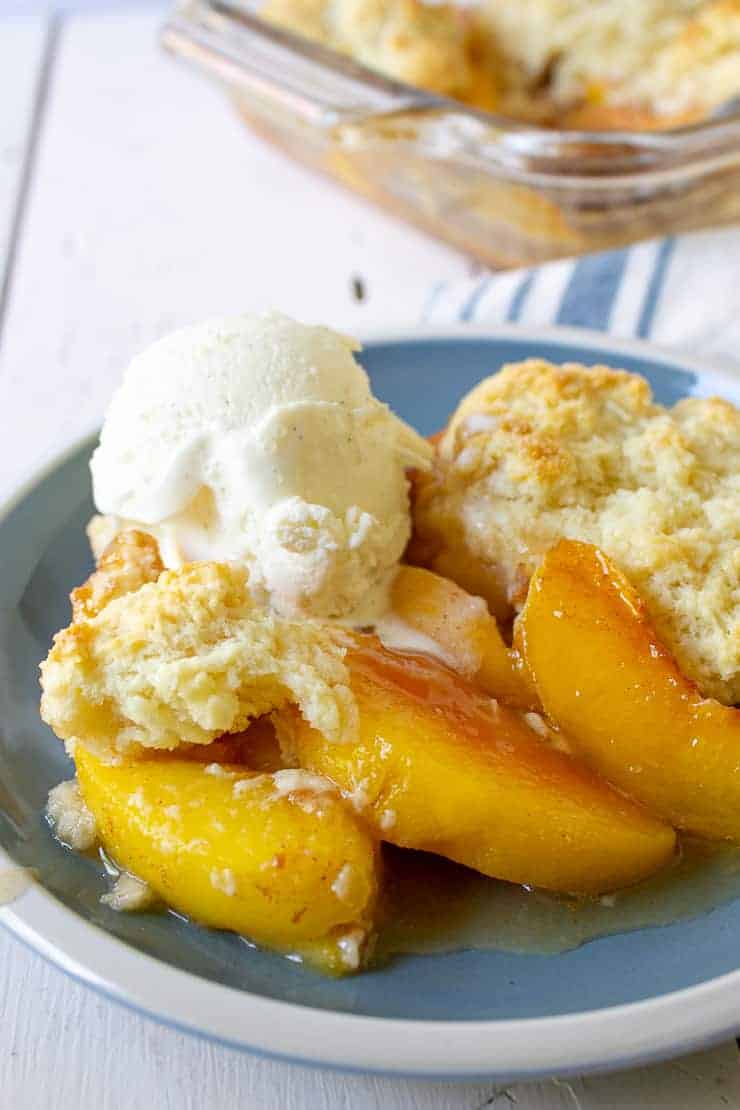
(131,201)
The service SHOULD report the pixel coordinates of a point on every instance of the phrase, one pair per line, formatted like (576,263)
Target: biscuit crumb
(343,883)
(72,821)
(223,879)
(350,947)
(129,895)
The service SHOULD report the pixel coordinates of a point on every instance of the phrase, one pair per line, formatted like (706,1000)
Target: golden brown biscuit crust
(624,64)
(185,659)
(539,452)
(437,47)
(129,561)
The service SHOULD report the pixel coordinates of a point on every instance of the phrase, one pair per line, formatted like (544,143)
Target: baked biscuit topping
(185,659)
(432,46)
(129,561)
(540,452)
(609,64)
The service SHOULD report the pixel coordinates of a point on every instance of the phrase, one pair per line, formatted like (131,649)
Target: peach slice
(279,858)
(607,681)
(465,631)
(441,767)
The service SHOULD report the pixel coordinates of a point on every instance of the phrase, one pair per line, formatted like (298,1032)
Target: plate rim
(609,1038)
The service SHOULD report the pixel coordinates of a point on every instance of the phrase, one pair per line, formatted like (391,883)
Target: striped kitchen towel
(678,292)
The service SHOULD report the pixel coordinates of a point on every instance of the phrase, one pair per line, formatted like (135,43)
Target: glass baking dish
(509,193)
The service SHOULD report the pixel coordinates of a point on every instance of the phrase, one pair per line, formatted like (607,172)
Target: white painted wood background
(131,200)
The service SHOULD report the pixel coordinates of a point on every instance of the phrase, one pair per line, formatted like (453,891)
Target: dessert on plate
(268,678)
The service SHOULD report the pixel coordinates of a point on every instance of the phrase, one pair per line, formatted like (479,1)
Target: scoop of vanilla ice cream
(257,439)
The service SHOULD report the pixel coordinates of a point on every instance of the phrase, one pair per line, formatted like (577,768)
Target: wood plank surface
(23,46)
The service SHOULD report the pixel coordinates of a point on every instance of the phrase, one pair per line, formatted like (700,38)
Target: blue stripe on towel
(467,312)
(520,296)
(590,293)
(431,301)
(650,304)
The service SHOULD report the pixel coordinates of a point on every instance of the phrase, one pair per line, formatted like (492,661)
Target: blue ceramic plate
(611,1002)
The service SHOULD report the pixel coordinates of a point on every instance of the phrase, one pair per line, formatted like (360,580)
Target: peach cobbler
(608,64)
(311,634)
